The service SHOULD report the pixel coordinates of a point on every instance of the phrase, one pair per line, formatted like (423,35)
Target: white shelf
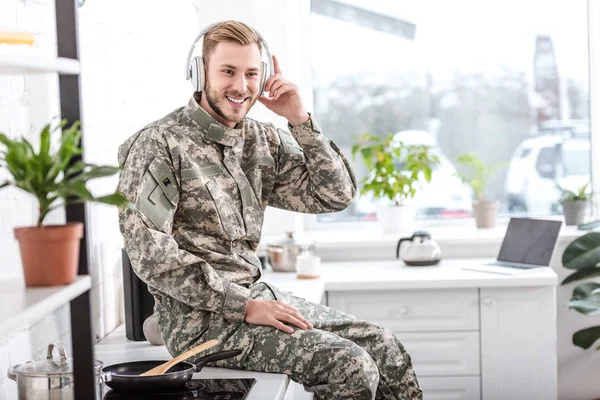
(19,64)
(21,305)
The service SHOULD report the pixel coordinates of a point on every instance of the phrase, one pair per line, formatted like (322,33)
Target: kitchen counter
(339,277)
(393,275)
(116,348)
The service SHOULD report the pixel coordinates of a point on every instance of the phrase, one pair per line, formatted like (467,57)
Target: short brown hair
(229,31)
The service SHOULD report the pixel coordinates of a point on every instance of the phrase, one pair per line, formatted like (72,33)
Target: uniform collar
(212,129)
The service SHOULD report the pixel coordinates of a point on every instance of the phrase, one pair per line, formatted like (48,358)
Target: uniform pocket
(153,202)
(231,337)
(231,220)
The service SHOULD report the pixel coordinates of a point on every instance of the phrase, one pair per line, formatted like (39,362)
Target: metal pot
(48,379)
(283,253)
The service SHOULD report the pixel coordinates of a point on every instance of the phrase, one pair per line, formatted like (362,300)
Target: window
(507,80)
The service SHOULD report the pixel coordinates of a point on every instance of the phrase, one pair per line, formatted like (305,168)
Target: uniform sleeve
(314,176)
(150,181)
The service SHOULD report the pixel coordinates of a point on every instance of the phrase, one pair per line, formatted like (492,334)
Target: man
(201,178)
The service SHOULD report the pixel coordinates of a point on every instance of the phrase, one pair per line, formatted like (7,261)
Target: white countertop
(394,274)
(22,306)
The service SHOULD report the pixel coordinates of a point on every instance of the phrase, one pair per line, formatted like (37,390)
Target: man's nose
(240,83)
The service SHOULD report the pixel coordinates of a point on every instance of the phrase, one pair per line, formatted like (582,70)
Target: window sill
(457,240)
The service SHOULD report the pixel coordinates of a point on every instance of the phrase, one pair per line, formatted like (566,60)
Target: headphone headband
(206,30)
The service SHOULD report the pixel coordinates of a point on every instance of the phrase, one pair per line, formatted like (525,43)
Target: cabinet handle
(400,312)
(487,301)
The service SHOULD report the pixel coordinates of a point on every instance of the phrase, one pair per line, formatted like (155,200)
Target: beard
(217,103)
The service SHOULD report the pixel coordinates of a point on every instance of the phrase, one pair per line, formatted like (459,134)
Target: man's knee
(347,369)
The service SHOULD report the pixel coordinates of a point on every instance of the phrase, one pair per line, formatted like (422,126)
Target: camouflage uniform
(200,190)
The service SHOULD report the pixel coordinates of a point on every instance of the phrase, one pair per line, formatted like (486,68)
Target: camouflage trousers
(342,357)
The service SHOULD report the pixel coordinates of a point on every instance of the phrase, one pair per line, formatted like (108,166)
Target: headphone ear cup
(197,73)
(263,77)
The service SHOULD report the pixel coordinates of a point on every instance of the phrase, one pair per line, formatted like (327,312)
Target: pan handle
(221,355)
(104,377)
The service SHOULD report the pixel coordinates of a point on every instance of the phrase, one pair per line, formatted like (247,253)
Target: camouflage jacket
(200,190)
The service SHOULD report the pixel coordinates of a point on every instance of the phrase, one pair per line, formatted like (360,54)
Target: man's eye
(228,71)
(253,74)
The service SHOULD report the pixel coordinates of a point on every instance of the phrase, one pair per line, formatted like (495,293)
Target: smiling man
(201,178)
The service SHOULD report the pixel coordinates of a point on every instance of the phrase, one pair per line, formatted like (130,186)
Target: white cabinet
(491,339)
(518,343)
(471,335)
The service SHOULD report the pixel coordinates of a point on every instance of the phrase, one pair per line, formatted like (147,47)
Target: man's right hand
(275,313)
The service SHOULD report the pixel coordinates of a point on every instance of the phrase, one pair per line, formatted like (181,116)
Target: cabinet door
(451,388)
(518,343)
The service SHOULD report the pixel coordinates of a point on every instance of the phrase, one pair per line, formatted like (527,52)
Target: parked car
(446,196)
(541,164)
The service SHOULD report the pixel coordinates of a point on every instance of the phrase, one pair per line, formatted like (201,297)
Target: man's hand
(284,97)
(275,313)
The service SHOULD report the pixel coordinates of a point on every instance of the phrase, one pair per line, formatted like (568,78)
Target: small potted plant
(583,256)
(394,173)
(574,204)
(477,177)
(50,253)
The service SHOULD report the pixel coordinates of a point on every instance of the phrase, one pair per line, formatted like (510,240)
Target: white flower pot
(397,219)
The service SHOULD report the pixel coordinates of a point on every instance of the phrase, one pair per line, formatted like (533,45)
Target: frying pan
(125,376)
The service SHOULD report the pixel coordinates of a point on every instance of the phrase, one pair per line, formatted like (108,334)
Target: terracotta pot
(485,213)
(50,254)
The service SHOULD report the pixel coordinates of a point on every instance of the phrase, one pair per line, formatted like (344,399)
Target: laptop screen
(529,241)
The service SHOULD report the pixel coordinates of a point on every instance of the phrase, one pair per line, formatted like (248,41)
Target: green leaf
(585,338)
(96,172)
(583,252)
(581,274)
(115,199)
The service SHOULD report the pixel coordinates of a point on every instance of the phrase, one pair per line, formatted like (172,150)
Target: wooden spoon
(162,368)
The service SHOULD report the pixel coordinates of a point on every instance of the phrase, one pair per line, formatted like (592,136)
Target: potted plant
(583,256)
(574,204)
(477,177)
(394,173)
(50,253)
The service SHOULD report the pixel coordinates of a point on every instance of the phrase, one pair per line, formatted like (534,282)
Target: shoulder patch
(290,145)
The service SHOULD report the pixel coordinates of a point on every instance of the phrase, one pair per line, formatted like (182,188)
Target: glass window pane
(507,80)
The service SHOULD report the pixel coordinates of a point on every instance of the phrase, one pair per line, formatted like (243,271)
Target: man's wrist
(294,121)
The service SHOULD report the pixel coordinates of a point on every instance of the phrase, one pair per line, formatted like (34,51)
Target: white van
(540,165)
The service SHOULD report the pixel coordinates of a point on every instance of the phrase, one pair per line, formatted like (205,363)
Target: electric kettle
(420,251)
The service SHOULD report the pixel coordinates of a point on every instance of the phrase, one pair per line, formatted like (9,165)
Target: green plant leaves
(586,298)
(585,338)
(394,169)
(581,274)
(50,176)
(479,172)
(583,252)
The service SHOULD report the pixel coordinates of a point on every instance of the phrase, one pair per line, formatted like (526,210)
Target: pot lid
(50,366)
(291,240)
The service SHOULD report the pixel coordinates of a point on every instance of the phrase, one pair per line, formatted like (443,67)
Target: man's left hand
(284,98)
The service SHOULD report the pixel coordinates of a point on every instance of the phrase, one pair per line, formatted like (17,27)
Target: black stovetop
(202,389)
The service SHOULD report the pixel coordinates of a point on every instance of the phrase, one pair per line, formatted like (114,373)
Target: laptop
(528,243)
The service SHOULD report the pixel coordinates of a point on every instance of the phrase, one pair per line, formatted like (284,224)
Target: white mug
(308,266)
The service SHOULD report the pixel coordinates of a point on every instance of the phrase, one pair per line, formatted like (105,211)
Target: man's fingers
(289,88)
(292,320)
(276,67)
(283,327)
(272,84)
(296,314)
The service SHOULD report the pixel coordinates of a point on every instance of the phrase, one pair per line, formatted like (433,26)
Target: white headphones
(195,66)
